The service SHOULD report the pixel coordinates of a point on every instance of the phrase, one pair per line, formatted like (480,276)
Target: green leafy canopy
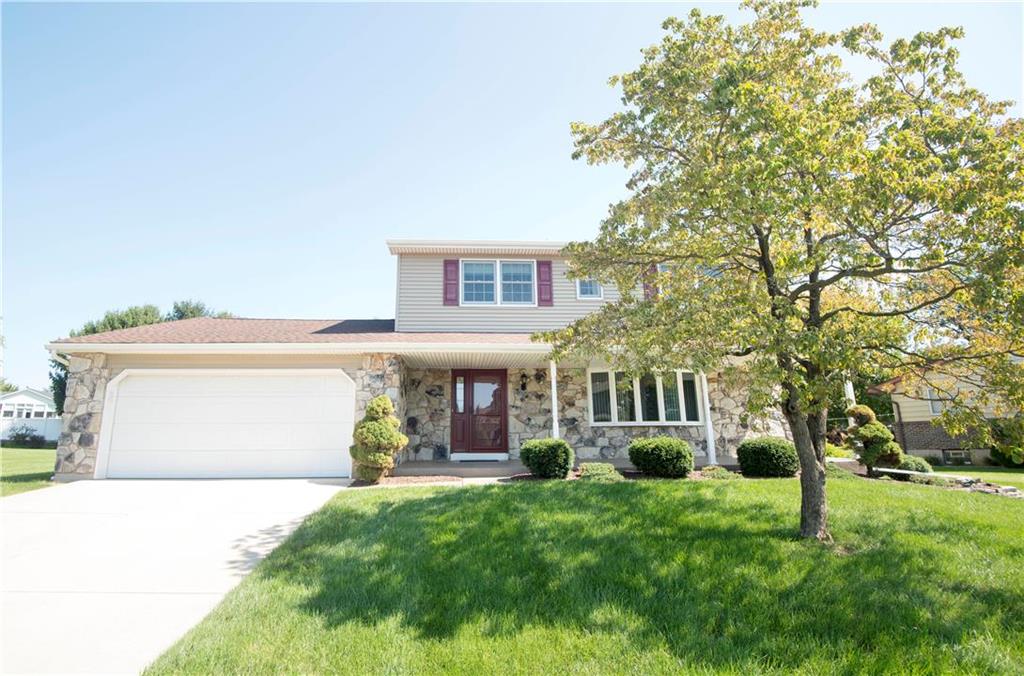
(806,224)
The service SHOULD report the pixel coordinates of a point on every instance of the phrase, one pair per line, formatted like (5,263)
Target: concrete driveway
(103,576)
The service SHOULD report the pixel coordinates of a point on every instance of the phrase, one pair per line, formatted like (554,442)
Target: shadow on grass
(711,579)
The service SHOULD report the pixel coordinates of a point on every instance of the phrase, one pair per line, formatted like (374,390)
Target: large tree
(790,224)
(136,315)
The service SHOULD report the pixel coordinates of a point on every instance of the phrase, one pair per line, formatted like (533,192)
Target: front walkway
(103,576)
(479,469)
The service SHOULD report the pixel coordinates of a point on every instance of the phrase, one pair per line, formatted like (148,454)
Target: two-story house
(214,397)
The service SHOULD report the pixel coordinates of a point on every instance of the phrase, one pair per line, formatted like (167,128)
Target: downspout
(553,373)
(899,423)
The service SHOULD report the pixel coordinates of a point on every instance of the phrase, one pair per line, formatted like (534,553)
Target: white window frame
(934,402)
(497,302)
(600,290)
(637,408)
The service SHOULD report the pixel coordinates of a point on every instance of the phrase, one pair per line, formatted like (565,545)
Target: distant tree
(189,309)
(137,315)
(6,387)
(791,224)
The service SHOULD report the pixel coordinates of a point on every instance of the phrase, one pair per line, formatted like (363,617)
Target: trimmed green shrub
(834,471)
(661,456)
(767,457)
(377,439)
(933,460)
(718,473)
(833,451)
(861,414)
(913,463)
(547,458)
(873,440)
(604,472)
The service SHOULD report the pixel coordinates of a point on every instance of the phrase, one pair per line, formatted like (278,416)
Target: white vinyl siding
(421,301)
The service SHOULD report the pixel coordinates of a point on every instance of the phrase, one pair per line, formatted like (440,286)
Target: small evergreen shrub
(873,440)
(547,458)
(718,473)
(861,414)
(913,463)
(834,451)
(603,472)
(377,439)
(661,456)
(767,457)
(933,460)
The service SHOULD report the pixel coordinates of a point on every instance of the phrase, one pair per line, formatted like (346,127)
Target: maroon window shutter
(650,289)
(544,295)
(451,282)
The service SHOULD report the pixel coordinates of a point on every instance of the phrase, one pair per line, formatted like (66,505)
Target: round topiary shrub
(912,463)
(861,414)
(547,458)
(377,439)
(768,457)
(661,456)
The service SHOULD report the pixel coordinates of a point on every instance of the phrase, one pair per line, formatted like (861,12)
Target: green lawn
(1005,476)
(631,577)
(25,469)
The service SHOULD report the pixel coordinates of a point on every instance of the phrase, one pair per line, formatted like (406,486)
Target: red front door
(479,411)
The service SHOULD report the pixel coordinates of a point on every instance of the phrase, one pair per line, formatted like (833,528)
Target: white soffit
(475,247)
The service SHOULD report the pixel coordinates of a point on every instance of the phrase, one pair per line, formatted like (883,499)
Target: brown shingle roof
(234,330)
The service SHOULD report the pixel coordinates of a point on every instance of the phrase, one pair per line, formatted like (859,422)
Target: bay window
(616,398)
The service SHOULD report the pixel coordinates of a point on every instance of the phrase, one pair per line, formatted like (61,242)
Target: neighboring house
(278,397)
(916,407)
(29,408)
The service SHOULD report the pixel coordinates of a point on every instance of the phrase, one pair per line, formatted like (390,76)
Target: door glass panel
(624,397)
(486,431)
(460,394)
(670,388)
(602,397)
(486,395)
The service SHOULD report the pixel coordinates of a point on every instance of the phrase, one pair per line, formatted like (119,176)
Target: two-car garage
(227,423)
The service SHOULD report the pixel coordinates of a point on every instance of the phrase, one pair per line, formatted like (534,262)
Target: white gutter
(300,348)
(56,357)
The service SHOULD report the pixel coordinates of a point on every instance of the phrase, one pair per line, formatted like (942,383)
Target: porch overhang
(416,354)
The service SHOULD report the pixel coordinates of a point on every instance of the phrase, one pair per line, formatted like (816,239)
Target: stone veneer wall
(427,395)
(379,374)
(83,411)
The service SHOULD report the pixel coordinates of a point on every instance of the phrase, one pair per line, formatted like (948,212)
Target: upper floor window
(935,404)
(652,399)
(589,288)
(499,282)
(517,282)
(478,282)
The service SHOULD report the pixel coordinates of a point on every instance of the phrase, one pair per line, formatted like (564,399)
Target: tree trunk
(809,438)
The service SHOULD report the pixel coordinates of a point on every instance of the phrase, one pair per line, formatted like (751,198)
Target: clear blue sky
(256,156)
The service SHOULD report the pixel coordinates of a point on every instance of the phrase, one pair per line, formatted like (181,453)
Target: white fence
(48,427)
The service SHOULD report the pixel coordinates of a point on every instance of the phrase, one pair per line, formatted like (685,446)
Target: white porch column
(709,429)
(553,374)
(851,399)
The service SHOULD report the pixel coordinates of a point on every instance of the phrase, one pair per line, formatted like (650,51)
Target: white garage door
(229,424)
